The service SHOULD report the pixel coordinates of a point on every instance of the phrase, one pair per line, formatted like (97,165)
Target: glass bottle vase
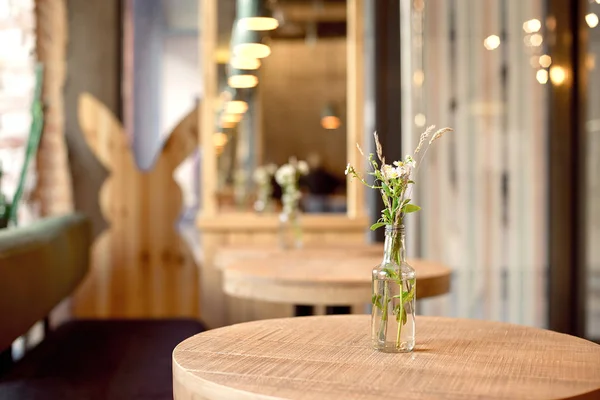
(393,296)
(290,232)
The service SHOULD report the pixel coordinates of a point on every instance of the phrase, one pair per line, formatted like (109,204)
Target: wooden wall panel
(297,81)
(53,186)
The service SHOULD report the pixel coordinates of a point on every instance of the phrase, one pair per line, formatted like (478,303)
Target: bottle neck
(394,248)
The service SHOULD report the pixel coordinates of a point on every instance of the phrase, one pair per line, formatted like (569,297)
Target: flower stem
(384,314)
(399,316)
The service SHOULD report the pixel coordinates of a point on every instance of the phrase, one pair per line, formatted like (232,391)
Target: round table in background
(330,357)
(226,255)
(321,277)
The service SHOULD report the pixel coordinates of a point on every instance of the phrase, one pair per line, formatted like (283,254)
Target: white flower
(348,169)
(285,175)
(408,160)
(261,176)
(302,167)
(388,171)
(271,168)
(403,170)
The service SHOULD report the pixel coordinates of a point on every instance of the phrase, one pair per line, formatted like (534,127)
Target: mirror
(161,83)
(293,106)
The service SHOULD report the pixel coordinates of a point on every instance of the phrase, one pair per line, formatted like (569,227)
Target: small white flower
(285,175)
(303,167)
(261,176)
(388,171)
(348,169)
(403,171)
(408,160)
(271,168)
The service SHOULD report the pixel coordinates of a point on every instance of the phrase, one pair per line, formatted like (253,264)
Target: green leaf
(376,300)
(391,273)
(377,225)
(410,208)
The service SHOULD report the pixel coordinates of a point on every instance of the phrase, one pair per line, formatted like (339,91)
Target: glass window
(592,147)
(482,68)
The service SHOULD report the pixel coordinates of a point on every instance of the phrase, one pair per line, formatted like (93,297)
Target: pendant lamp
(254,15)
(230,118)
(234,104)
(329,118)
(242,79)
(249,44)
(245,63)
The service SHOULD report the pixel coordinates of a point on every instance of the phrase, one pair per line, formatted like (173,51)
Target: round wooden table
(331,358)
(320,276)
(226,255)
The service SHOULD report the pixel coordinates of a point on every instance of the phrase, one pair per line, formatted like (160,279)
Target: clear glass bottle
(290,232)
(393,297)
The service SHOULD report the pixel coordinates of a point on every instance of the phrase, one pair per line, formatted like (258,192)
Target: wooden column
(567,285)
(355,104)
(385,24)
(54,190)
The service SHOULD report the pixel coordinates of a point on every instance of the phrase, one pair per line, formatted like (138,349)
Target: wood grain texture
(141,267)
(338,276)
(227,255)
(331,358)
(356,102)
(53,179)
(207,19)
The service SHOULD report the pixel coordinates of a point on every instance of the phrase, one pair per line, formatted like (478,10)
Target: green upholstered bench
(42,264)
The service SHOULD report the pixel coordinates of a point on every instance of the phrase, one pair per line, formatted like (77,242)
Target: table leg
(332,310)
(303,311)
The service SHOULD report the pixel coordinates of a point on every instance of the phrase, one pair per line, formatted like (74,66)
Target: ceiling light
(542,76)
(236,107)
(228,124)
(418,77)
(557,75)
(420,120)
(242,81)
(256,50)
(249,44)
(536,39)
(329,118)
(253,15)
(245,63)
(590,61)
(491,42)
(545,60)
(592,20)
(231,118)
(531,26)
(220,139)
(259,23)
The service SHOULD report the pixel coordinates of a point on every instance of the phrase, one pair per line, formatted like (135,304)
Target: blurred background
(511,199)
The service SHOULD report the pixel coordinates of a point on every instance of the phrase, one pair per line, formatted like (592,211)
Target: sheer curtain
(474,66)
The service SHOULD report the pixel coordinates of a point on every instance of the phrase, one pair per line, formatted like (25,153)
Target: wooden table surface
(330,358)
(318,275)
(226,255)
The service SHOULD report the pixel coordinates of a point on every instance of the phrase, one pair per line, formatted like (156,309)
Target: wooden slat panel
(141,267)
